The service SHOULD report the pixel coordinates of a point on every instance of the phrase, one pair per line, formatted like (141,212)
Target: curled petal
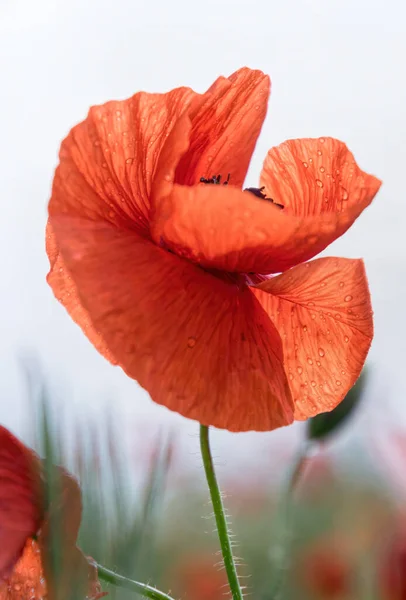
(323,313)
(199,345)
(226,122)
(20,498)
(67,571)
(108,161)
(223,228)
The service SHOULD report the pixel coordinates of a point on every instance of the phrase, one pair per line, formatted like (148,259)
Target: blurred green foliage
(163,534)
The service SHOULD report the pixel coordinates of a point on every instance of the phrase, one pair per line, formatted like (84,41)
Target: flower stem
(135,586)
(282,562)
(219,514)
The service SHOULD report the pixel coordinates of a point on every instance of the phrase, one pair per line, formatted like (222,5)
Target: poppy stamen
(216,179)
(259,193)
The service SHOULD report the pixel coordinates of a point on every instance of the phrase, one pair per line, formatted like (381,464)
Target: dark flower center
(258,192)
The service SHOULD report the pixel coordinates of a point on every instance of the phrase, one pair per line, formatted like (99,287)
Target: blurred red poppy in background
(325,572)
(167,270)
(26,564)
(197,578)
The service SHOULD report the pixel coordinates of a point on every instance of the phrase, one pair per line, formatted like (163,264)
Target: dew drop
(319,152)
(321,352)
(305,164)
(313,384)
(322,140)
(111,214)
(346,339)
(104,165)
(348,298)
(310,160)
(291,376)
(209,159)
(345,194)
(337,316)
(129,161)
(168,178)
(318,363)
(191,342)
(313,316)
(338,382)
(300,370)
(319,183)
(310,304)
(309,360)
(322,169)
(341,284)
(304,327)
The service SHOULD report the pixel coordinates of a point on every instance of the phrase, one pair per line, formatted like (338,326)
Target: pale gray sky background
(337,68)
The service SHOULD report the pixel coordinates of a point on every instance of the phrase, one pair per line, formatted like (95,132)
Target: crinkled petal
(323,313)
(27,580)
(199,345)
(108,161)
(226,123)
(20,499)
(226,229)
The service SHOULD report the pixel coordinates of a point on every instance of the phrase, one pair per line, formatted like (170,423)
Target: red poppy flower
(26,569)
(197,577)
(325,573)
(166,274)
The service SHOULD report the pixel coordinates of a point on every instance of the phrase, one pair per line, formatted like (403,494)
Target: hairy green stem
(135,586)
(285,542)
(219,514)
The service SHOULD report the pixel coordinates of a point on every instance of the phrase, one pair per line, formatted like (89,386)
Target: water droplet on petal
(305,164)
(304,327)
(322,169)
(322,140)
(309,360)
(168,178)
(313,383)
(319,152)
(191,342)
(346,339)
(341,283)
(300,370)
(291,376)
(338,382)
(321,352)
(345,194)
(319,183)
(348,298)
(310,304)
(318,363)
(129,161)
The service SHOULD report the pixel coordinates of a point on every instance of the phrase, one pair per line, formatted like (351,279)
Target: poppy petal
(223,228)
(107,162)
(199,345)
(66,293)
(226,123)
(27,580)
(68,573)
(20,505)
(323,313)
